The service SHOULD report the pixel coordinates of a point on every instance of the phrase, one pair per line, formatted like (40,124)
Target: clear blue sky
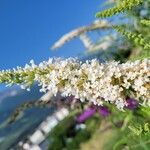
(29,27)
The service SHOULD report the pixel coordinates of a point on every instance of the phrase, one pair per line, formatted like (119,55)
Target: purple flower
(86,114)
(131,103)
(104,111)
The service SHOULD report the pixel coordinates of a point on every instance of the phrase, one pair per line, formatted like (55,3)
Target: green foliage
(128,130)
(144,54)
(139,129)
(66,136)
(139,28)
(145,22)
(134,132)
(122,6)
(136,38)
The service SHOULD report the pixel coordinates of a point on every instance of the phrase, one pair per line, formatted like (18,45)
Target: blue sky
(29,27)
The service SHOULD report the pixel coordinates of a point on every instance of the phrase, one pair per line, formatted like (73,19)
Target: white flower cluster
(90,81)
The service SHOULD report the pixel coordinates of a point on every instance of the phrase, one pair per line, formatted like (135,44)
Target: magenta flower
(104,111)
(131,103)
(86,114)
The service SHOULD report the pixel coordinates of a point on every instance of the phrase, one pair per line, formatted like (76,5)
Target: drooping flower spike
(90,81)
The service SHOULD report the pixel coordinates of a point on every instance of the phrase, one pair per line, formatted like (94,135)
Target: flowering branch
(90,81)
(103,24)
(26,105)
